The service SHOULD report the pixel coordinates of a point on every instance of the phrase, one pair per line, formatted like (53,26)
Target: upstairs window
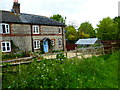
(6,46)
(35,29)
(60,30)
(4,28)
(36,44)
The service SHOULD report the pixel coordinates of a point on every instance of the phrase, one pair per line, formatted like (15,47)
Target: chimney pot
(16,1)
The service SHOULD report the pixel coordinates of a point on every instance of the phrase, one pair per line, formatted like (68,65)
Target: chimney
(16,7)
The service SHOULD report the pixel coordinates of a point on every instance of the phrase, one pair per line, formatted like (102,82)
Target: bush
(10,56)
(61,56)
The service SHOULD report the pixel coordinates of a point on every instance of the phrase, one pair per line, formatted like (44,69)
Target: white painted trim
(37,44)
(7,28)
(35,30)
(6,46)
(60,30)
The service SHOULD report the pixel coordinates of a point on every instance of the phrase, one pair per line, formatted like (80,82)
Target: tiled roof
(10,17)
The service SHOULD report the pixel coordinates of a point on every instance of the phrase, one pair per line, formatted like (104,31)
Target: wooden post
(66,53)
(76,53)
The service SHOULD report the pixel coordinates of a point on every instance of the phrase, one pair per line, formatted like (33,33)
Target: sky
(76,11)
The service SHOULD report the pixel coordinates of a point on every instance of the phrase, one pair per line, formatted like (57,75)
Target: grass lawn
(95,72)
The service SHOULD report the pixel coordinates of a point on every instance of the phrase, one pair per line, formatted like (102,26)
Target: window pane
(7,28)
(34,44)
(59,31)
(52,42)
(3,48)
(8,44)
(3,28)
(3,44)
(34,29)
(8,48)
(38,44)
(60,42)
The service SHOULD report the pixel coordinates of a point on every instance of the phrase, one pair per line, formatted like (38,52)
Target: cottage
(28,32)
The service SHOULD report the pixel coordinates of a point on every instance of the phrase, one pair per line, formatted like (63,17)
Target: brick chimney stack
(16,7)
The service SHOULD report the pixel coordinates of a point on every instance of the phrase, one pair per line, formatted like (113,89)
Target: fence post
(66,53)
(76,53)
(91,50)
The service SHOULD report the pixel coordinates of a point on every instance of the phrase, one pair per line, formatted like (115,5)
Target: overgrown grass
(95,72)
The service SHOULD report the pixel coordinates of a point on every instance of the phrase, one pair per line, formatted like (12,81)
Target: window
(35,29)
(60,30)
(60,42)
(52,42)
(4,28)
(36,44)
(6,46)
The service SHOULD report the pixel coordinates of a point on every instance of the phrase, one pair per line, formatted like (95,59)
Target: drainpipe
(31,39)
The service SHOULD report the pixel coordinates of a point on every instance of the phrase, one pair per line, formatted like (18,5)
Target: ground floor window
(6,46)
(60,42)
(36,44)
(52,42)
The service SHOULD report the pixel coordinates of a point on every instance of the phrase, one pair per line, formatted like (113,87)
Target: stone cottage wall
(20,35)
(51,32)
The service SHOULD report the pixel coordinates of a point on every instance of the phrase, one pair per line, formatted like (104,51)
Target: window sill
(6,51)
(36,48)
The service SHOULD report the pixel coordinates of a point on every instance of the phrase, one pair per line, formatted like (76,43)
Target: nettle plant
(60,56)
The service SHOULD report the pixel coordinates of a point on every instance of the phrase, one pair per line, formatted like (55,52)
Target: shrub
(9,56)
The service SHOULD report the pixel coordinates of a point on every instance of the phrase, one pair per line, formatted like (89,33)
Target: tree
(117,20)
(86,30)
(59,18)
(107,29)
(71,34)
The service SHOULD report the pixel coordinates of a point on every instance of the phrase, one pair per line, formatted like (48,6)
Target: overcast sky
(76,11)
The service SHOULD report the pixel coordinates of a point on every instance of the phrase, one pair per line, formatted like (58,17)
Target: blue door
(45,46)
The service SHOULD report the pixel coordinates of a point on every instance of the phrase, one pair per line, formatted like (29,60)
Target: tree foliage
(58,17)
(86,30)
(71,33)
(107,29)
(117,20)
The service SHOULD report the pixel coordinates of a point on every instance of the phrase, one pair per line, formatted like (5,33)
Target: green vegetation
(95,72)
(71,33)
(58,17)
(86,30)
(11,55)
(107,29)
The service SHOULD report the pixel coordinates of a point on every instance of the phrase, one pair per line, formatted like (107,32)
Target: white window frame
(7,28)
(36,29)
(5,42)
(60,42)
(53,42)
(60,30)
(36,44)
